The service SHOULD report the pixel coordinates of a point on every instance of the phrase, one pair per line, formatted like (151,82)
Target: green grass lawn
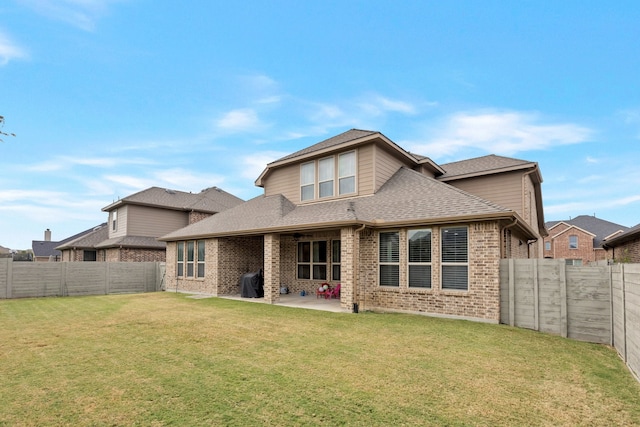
(164,359)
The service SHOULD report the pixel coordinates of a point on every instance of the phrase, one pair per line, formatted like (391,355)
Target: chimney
(47,235)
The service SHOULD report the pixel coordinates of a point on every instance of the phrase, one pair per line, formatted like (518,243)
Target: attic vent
(170,191)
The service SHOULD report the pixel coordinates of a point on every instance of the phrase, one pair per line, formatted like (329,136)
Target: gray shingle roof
(132,242)
(407,197)
(89,240)
(43,248)
(211,200)
(600,227)
(632,233)
(485,164)
(347,136)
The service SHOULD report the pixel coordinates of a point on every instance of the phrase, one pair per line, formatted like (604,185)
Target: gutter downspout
(504,229)
(356,267)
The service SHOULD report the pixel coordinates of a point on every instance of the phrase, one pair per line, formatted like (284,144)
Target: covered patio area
(297,301)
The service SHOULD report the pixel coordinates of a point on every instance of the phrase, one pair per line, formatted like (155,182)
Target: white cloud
(65,162)
(10,50)
(590,159)
(499,132)
(253,165)
(240,120)
(378,105)
(82,14)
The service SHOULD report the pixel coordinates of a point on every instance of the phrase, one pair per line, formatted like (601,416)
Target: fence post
(512,292)
(536,296)
(10,279)
(624,312)
(612,323)
(64,290)
(107,278)
(563,299)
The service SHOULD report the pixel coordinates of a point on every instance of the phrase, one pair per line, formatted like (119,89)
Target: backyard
(165,359)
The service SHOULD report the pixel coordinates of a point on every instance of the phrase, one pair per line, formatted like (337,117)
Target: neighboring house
(391,227)
(624,247)
(47,250)
(579,240)
(135,222)
(5,252)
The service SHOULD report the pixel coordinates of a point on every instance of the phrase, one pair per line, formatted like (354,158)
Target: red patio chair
(334,293)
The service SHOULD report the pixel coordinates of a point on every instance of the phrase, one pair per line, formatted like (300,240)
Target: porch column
(272,268)
(349,250)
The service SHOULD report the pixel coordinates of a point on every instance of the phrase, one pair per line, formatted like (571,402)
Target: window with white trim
(312,260)
(325,177)
(347,173)
(419,242)
(574,262)
(454,258)
(547,246)
(114,219)
(335,259)
(307,181)
(201,254)
(190,258)
(573,242)
(180,260)
(389,259)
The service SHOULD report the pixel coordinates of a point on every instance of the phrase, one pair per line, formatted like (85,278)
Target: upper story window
(573,242)
(114,219)
(347,173)
(547,246)
(307,181)
(330,175)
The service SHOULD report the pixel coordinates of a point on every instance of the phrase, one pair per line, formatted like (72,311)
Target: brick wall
(142,255)
(560,245)
(626,252)
(197,216)
(480,301)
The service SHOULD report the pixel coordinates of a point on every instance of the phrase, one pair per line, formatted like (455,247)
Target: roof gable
(210,200)
(600,228)
(485,165)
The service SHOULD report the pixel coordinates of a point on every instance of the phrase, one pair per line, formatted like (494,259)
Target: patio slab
(294,300)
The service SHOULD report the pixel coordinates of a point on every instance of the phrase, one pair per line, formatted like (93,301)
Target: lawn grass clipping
(165,359)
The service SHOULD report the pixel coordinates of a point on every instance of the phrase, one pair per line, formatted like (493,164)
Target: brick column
(348,264)
(272,268)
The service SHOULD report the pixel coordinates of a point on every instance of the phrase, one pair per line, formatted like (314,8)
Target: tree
(2,133)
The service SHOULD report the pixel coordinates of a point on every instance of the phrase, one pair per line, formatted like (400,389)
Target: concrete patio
(290,300)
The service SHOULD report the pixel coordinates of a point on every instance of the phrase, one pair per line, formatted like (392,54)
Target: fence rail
(598,304)
(44,279)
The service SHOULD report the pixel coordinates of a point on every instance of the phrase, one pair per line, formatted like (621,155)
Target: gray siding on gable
(504,189)
(285,181)
(385,166)
(153,222)
(121,229)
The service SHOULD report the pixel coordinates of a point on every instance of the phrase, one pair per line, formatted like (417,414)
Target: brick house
(135,222)
(624,247)
(396,230)
(579,240)
(47,250)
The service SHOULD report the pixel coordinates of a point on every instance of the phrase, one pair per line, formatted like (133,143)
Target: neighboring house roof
(89,240)
(131,242)
(485,165)
(46,248)
(210,200)
(4,250)
(408,197)
(630,234)
(599,227)
(350,138)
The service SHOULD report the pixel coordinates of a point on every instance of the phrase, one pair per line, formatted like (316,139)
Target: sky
(110,97)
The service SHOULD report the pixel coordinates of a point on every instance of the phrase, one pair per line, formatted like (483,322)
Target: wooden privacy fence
(46,279)
(596,304)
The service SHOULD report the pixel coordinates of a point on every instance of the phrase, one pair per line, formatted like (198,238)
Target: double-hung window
(180,266)
(114,220)
(335,259)
(307,181)
(190,258)
(312,260)
(325,177)
(201,246)
(455,258)
(419,258)
(389,258)
(573,242)
(347,173)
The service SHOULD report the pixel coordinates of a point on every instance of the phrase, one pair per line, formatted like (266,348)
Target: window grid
(325,177)
(307,181)
(419,263)
(573,242)
(389,259)
(454,258)
(312,260)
